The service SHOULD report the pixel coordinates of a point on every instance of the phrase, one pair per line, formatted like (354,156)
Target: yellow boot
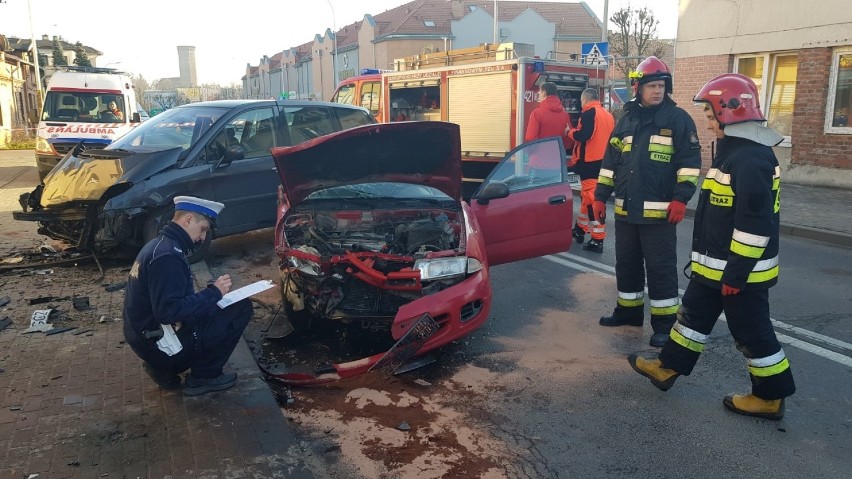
(652,369)
(751,405)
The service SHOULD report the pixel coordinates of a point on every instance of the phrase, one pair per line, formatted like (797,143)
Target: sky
(142,37)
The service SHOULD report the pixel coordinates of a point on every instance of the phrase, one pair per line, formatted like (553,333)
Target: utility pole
(334,39)
(495,22)
(35,62)
(605,20)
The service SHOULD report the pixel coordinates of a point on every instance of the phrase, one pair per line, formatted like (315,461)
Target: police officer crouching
(168,325)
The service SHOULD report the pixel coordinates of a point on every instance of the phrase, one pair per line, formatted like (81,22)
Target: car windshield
(177,127)
(396,191)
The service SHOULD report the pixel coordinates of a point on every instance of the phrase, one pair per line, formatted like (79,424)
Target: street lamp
(334,37)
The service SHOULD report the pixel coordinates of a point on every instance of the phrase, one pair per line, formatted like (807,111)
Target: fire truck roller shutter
(482,107)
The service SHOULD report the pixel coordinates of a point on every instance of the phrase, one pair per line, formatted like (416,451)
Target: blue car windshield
(177,127)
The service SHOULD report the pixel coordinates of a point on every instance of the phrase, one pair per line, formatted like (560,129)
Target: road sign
(595,53)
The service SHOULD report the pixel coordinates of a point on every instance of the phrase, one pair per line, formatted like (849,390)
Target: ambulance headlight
(42,146)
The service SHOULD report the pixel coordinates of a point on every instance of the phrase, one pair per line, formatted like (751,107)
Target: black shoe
(658,340)
(578,234)
(196,386)
(613,321)
(595,246)
(164,379)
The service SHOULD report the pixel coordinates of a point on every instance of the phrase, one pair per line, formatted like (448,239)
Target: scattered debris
(422,382)
(38,321)
(48,299)
(15,260)
(115,286)
(32,476)
(403,426)
(4,323)
(4,301)
(59,330)
(47,248)
(74,463)
(81,303)
(83,331)
(15,408)
(102,319)
(333,448)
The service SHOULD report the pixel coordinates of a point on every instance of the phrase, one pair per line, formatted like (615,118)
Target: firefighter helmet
(651,69)
(732,97)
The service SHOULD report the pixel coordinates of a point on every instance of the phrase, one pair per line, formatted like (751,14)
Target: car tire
(161,217)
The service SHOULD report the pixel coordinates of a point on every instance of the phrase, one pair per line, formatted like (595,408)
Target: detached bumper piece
(76,223)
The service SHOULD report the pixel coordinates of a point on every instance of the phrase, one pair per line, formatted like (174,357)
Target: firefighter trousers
(588,173)
(652,248)
(747,314)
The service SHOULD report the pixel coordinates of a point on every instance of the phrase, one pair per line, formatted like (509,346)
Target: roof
(23,44)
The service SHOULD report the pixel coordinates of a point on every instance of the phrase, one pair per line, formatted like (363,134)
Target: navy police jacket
(160,288)
(653,157)
(735,240)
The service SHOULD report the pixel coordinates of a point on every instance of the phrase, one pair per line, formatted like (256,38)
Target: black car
(100,199)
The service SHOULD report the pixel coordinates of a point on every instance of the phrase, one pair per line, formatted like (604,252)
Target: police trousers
(207,344)
(747,314)
(652,248)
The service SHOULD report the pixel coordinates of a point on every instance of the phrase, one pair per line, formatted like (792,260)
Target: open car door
(525,206)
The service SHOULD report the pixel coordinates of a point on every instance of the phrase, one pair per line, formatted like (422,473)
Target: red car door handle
(557,200)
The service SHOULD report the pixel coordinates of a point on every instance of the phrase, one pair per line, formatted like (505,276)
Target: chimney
(45,37)
(457,9)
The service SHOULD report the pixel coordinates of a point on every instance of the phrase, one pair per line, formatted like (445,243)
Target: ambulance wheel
(161,217)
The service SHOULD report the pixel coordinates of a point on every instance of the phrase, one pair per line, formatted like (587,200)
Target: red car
(372,230)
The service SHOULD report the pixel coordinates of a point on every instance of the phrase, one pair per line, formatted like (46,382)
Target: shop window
(775,78)
(839,105)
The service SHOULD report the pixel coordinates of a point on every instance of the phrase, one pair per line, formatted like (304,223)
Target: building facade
(309,71)
(800,57)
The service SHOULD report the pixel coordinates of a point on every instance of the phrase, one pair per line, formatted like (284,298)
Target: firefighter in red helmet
(735,254)
(652,165)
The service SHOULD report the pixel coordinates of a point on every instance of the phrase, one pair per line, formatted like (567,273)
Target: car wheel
(161,217)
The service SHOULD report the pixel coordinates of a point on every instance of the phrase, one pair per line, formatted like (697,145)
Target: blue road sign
(595,53)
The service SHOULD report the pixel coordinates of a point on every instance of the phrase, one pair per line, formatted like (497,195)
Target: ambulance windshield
(84,107)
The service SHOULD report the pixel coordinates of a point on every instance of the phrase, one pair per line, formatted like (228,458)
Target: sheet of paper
(245,292)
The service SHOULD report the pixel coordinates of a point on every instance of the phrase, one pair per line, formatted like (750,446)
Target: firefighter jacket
(592,134)
(735,240)
(549,119)
(653,157)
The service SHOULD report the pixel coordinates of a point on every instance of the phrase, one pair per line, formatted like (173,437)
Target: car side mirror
(232,154)
(492,191)
(135,118)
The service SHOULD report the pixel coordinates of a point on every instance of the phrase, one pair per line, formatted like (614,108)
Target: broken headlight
(443,268)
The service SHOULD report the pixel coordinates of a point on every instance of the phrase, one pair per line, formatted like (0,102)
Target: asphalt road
(553,393)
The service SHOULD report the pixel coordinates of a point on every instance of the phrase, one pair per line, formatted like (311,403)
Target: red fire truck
(488,92)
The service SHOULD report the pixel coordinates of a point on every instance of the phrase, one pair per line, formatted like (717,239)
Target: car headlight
(42,146)
(443,268)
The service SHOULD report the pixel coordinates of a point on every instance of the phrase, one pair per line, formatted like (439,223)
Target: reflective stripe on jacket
(735,239)
(653,157)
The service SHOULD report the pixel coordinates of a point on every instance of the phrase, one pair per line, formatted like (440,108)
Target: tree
(81,59)
(58,53)
(635,37)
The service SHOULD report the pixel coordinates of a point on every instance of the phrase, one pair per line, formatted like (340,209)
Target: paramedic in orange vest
(549,119)
(591,138)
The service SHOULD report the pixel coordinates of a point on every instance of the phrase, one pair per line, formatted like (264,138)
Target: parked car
(372,231)
(121,195)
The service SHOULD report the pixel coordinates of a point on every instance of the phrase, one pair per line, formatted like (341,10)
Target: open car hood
(86,176)
(424,153)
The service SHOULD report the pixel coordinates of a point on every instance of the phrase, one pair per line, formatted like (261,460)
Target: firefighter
(735,254)
(652,163)
(591,138)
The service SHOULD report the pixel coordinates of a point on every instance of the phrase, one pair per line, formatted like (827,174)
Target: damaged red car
(372,231)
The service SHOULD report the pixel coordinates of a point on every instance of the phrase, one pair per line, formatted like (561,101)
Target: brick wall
(690,74)
(811,146)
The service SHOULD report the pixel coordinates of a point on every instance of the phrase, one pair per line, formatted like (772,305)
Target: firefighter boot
(578,234)
(653,369)
(593,245)
(751,405)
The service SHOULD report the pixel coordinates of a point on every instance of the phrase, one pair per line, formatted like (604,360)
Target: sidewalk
(78,404)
